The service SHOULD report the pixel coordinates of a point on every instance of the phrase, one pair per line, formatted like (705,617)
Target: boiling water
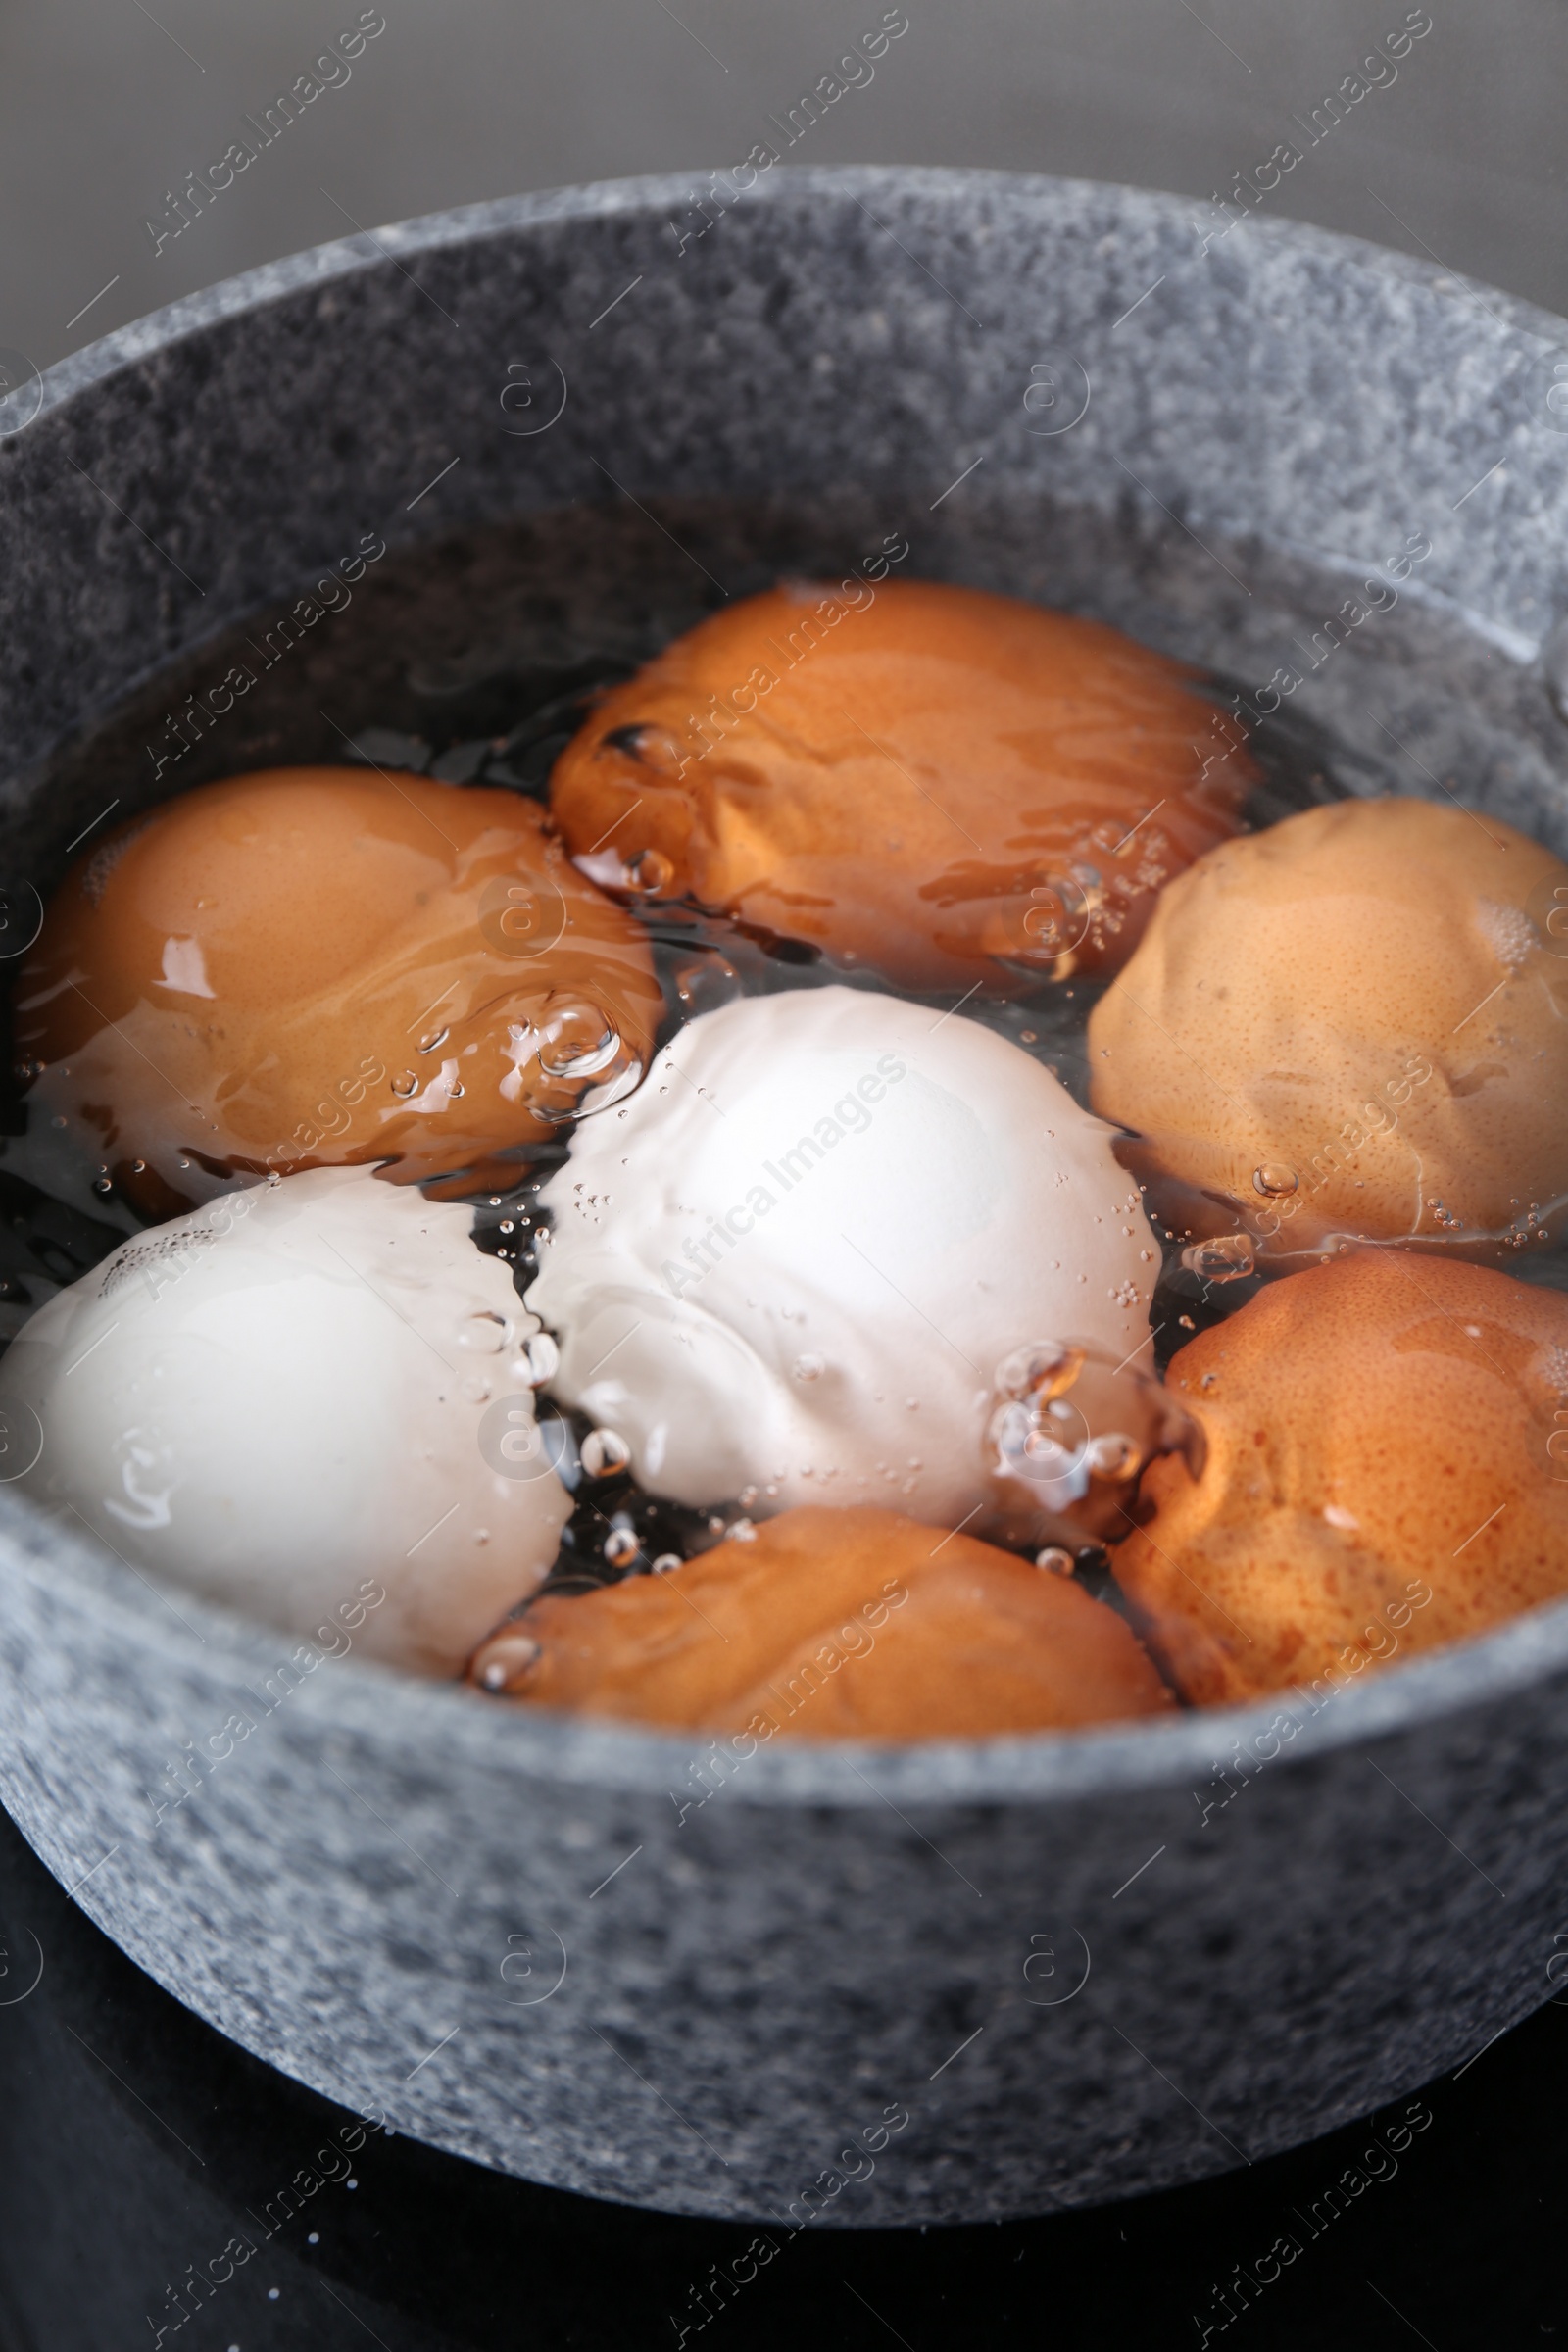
(474,665)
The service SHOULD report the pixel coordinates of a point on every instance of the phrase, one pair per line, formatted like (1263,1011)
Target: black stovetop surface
(136,2144)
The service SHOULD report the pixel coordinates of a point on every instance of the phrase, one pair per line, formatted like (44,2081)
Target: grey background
(105,104)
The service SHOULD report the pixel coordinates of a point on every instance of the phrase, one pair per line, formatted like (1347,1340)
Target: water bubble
(1046,1367)
(1061,1464)
(1056,918)
(1045,1445)
(406,1085)
(650,873)
(1227,1258)
(103,1184)
(807,1367)
(504,1661)
(742,1531)
(1114,1455)
(1055,1559)
(666,1561)
(542,1356)
(621,1546)
(604,1451)
(706,983)
(577,1041)
(1275,1177)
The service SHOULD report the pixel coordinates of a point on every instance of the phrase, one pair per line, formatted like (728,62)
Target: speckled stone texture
(531,1942)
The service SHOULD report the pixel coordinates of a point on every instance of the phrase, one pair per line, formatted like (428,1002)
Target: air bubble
(707,982)
(577,1040)
(1114,1455)
(1274,1179)
(1043,1370)
(1228,1257)
(650,873)
(807,1367)
(605,1451)
(505,1661)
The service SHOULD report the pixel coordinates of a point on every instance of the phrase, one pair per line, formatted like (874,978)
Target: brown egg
(1387,1470)
(310,966)
(833,1625)
(1354,1023)
(938,783)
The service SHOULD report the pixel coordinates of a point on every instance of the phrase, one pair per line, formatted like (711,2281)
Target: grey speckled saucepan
(926,1985)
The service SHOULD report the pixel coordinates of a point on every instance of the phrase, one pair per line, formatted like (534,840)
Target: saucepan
(834,1983)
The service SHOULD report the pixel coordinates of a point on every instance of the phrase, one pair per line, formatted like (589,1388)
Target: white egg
(794,1259)
(296,1398)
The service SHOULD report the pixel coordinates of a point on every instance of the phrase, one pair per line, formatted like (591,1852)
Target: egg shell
(841,1625)
(945,786)
(316,966)
(307,1388)
(1386,1471)
(1354,1023)
(794,1261)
